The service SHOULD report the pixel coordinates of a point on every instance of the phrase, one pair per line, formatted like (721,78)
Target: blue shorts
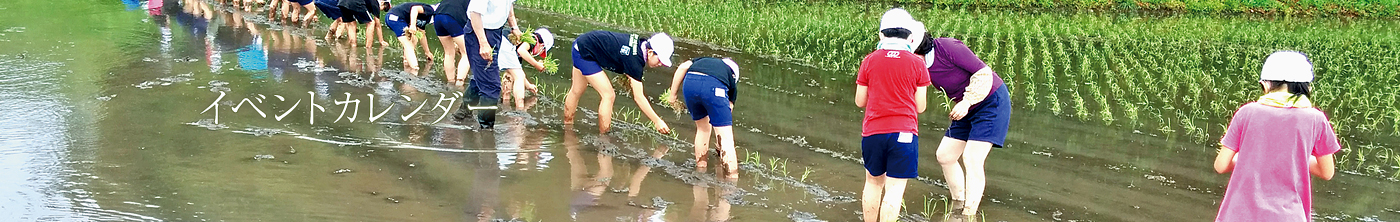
(329,9)
(705,97)
(583,65)
(444,25)
(892,154)
(362,17)
(987,121)
(396,26)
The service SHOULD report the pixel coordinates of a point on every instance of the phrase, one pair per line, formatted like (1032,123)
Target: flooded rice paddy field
(106,117)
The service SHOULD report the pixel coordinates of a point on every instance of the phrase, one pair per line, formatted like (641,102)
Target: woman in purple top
(979,120)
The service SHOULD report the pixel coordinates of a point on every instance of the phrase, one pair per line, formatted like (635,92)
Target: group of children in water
(1270,147)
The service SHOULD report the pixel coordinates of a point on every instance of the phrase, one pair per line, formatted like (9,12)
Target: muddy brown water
(102,121)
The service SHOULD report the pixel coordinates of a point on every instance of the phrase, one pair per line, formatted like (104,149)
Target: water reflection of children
(634,187)
(518,135)
(710,87)
(701,209)
(485,190)
(588,189)
(1273,144)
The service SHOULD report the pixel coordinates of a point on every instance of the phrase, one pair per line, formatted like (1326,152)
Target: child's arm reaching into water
(676,82)
(524,52)
(640,97)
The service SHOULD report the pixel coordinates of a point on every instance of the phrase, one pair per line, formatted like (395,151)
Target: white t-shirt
(493,12)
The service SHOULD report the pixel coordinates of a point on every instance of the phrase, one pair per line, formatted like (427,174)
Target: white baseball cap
(664,46)
(1288,66)
(546,38)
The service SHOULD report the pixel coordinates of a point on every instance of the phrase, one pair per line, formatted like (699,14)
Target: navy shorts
(987,122)
(396,26)
(584,65)
(705,96)
(486,75)
(355,16)
(329,9)
(444,25)
(892,154)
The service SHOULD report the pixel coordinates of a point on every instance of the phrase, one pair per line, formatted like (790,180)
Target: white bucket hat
(1288,66)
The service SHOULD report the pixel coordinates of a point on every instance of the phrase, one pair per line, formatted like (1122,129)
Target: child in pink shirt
(1273,144)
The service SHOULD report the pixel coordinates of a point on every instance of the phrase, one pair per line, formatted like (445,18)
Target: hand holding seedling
(485,52)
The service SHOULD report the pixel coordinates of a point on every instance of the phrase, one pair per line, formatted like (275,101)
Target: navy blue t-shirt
(715,67)
(402,12)
(616,52)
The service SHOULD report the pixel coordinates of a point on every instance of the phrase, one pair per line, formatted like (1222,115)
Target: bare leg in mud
(727,154)
(310,14)
(353,30)
(964,185)
(882,197)
(702,142)
(410,59)
(599,82)
(451,47)
(516,84)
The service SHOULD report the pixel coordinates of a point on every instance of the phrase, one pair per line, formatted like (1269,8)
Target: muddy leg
(949,151)
(702,141)
(409,57)
(870,197)
(975,157)
(571,100)
(726,146)
(600,83)
(893,199)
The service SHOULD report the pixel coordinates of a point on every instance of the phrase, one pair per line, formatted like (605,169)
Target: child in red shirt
(891,86)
